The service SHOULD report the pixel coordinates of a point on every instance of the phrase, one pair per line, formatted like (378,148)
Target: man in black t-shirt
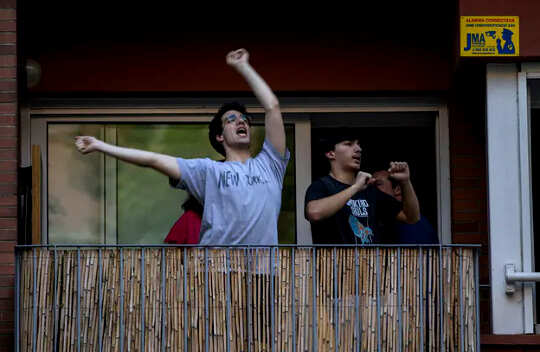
(344,208)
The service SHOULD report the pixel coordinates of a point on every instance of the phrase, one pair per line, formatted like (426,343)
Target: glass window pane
(75,187)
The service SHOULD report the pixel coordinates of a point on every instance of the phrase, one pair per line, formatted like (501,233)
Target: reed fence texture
(247,299)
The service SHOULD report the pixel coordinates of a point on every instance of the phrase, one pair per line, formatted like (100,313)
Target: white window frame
(510,193)
(34,131)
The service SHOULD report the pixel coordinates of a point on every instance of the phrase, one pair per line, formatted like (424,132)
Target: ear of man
(330,155)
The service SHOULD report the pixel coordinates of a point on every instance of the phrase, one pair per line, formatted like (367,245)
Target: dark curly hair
(215,128)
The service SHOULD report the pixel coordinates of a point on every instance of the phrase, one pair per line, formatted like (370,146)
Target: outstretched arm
(275,131)
(411,209)
(163,163)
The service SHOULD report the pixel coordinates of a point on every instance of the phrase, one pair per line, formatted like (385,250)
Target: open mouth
(242,132)
(357,157)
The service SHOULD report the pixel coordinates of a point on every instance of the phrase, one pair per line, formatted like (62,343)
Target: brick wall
(8,169)
(468,170)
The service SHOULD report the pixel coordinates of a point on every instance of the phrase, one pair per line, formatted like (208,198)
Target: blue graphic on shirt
(360,210)
(364,233)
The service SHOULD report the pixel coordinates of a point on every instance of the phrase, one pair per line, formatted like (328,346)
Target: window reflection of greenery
(146,205)
(76,187)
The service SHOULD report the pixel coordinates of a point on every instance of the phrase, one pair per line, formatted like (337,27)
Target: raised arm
(320,209)
(275,131)
(411,209)
(163,163)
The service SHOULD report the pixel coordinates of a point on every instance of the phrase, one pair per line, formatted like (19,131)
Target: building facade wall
(344,69)
(8,169)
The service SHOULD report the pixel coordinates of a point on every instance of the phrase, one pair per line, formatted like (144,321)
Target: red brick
(8,14)
(9,142)
(6,340)
(9,189)
(466,147)
(8,49)
(7,281)
(5,325)
(8,26)
(468,161)
(8,60)
(8,85)
(8,177)
(8,97)
(8,211)
(8,37)
(8,120)
(8,4)
(8,223)
(7,269)
(468,204)
(7,258)
(6,292)
(7,303)
(7,343)
(6,235)
(471,226)
(466,172)
(8,72)
(8,108)
(479,238)
(4,330)
(466,210)
(8,199)
(468,193)
(469,182)
(8,165)
(8,131)
(7,246)
(7,316)
(8,154)
(467,214)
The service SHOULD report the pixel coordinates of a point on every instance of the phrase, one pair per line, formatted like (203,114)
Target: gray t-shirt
(241,200)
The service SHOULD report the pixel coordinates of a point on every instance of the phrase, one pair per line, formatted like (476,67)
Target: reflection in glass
(76,200)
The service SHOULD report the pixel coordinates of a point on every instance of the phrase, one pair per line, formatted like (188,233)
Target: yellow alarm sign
(489,36)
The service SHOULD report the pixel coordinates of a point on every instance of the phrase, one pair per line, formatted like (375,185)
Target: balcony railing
(284,298)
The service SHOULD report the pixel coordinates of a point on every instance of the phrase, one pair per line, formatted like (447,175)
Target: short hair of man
(329,141)
(215,128)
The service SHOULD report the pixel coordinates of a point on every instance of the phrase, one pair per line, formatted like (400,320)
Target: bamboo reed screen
(240,299)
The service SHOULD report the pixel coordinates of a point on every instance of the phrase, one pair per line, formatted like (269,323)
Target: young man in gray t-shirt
(242,195)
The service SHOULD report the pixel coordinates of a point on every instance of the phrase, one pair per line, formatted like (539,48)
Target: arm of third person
(411,209)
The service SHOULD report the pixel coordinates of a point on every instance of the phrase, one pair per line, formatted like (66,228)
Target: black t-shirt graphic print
(364,219)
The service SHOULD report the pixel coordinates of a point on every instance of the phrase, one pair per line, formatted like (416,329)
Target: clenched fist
(237,57)
(87,144)
(399,171)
